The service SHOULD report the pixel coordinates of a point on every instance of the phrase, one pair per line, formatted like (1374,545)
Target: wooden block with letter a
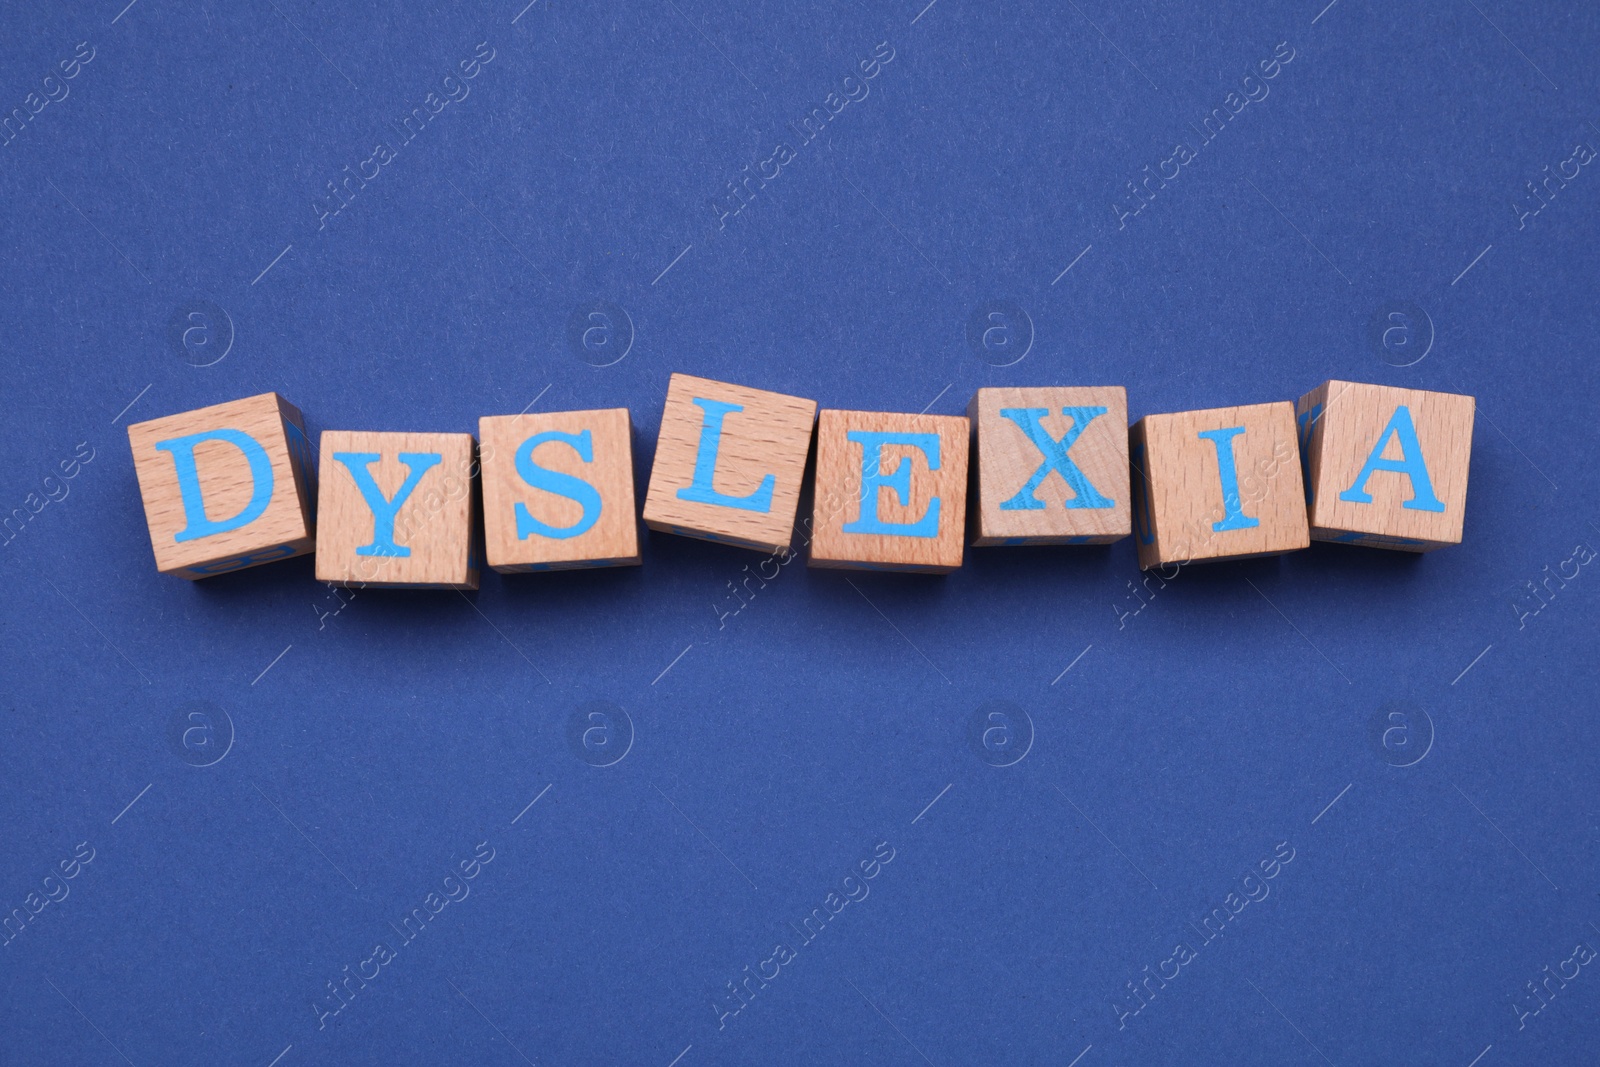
(1052,466)
(558,491)
(891,491)
(729,463)
(1218,484)
(397,509)
(227,486)
(1385,467)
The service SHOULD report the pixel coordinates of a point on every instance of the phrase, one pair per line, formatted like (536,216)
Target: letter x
(1055,458)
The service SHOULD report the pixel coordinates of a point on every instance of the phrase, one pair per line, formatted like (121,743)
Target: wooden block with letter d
(1216,485)
(891,491)
(1052,466)
(397,509)
(1385,467)
(558,491)
(227,486)
(729,463)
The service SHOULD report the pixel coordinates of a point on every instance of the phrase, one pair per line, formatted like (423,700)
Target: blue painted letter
(384,511)
(1233,516)
(567,485)
(705,464)
(1410,464)
(194,508)
(1084,494)
(873,479)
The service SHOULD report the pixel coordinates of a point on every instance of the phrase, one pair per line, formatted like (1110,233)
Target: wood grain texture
(1179,499)
(285,528)
(436,523)
(771,435)
(1341,423)
(840,502)
(1007,459)
(613,538)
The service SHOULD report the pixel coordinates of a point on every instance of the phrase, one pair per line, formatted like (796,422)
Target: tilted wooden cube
(558,491)
(729,463)
(1052,466)
(891,491)
(1217,485)
(1385,467)
(227,486)
(397,509)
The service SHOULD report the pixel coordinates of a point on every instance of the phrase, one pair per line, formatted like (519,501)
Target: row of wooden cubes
(232,486)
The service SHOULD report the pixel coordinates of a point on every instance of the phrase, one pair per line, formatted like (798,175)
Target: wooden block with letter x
(227,486)
(397,509)
(1218,484)
(1052,466)
(558,491)
(1385,467)
(729,463)
(891,491)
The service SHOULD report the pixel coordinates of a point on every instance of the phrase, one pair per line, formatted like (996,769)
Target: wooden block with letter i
(1385,467)
(1052,466)
(1216,485)
(729,463)
(891,491)
(226,487)
(558,491)
(397,509)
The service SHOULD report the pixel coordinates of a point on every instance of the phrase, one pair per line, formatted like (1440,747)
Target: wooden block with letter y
(729,463)
(1218,484)
(891,491)
(1052,466)
(227,486)
(1385,467)
(558,491)
(397,509)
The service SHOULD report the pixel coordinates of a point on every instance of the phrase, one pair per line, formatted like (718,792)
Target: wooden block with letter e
(558,491)
(891,491)
(227,486)
(729,463)
(397,509)
(1218,484)
(1385,467)
(1052,466)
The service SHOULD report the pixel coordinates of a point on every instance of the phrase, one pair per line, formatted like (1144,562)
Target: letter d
(194,508)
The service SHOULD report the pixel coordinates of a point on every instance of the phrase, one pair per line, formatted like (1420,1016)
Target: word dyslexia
(233,485)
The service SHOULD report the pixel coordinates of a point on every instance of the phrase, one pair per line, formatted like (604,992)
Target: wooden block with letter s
(558,491)
(891,491)
(227,486)
(397,509)
(1217,485)
(1052,466)
(729,462)
(1385,467)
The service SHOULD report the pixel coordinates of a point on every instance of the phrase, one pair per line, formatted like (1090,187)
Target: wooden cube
(891,491)
(398,510)
(729,463)
(1052,466)
(227,486)
(558,491)
(1385,467)
(1219,484)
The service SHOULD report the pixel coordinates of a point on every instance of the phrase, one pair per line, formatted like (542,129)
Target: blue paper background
(373,747)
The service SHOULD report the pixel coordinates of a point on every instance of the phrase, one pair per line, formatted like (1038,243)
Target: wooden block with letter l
(397,509)
(891,491)
(1217,485)
(226,487)
(1052,466)
(1385,467)
(729,463)
(558,491)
